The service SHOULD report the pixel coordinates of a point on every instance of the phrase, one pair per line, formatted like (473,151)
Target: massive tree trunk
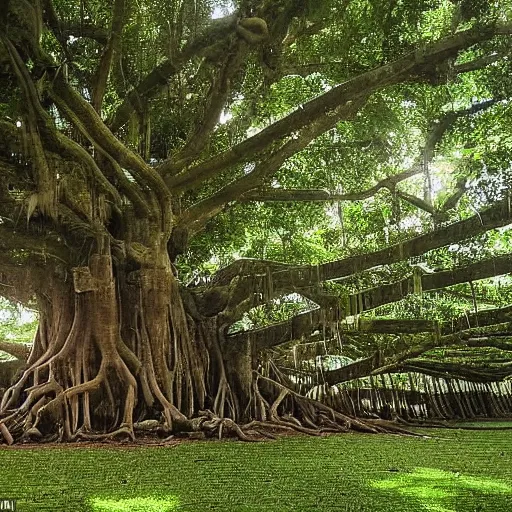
(117,346)
(120,340)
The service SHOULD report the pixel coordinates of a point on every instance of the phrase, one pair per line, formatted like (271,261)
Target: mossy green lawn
(462,471)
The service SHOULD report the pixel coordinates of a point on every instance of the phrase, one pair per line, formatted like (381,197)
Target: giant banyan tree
(133,135)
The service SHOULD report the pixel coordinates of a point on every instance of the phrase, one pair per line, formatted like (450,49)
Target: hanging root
(311,417)
(50,404)
(316,418)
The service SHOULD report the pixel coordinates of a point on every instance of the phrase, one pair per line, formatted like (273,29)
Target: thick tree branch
(195,217)
(356,370)
(416,63)
(480,373)
(16,349)
(159,77)
(87,120)
(501,342)
(114,41)
(406,360)
(216,101)
(300,326)
(391,326)
(248,267)
(385,294)
(42,246)
(496,216)
(483,318)
(255,276)
(477,64)
(44,134)
(324,320)
(62,30)
(321,195)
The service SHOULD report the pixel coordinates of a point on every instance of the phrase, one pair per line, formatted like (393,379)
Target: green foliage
(275,311)
(16,322)
(327,43)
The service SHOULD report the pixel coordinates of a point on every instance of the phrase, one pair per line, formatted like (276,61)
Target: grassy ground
(463,471)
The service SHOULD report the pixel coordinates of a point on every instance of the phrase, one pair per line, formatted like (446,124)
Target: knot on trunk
(252,30)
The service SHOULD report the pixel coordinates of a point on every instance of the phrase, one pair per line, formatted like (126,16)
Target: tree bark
(119,347)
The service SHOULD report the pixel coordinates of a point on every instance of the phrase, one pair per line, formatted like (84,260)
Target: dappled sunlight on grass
(291,474)
(168,504)
(436,490)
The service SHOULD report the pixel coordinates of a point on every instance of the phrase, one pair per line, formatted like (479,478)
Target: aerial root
(21,420)
(211,424)
(52,400)
(123,431)
(6,434)
(317,418)
(314,418)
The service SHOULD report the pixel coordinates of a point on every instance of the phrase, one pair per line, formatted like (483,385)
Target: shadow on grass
(435,490)
(168,504)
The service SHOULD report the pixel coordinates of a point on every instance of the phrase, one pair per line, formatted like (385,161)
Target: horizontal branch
(299,326)
(483,318)
(356,370)
(256,277)
(18,350)
(248,267)
(304,195)
(380,363)
(481,373)
(412,64)
(496,216)
(304,324)
(310,275)
(479,63)
(391,326)
(388,293)
(39,245)
(494,341)
(321,195)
